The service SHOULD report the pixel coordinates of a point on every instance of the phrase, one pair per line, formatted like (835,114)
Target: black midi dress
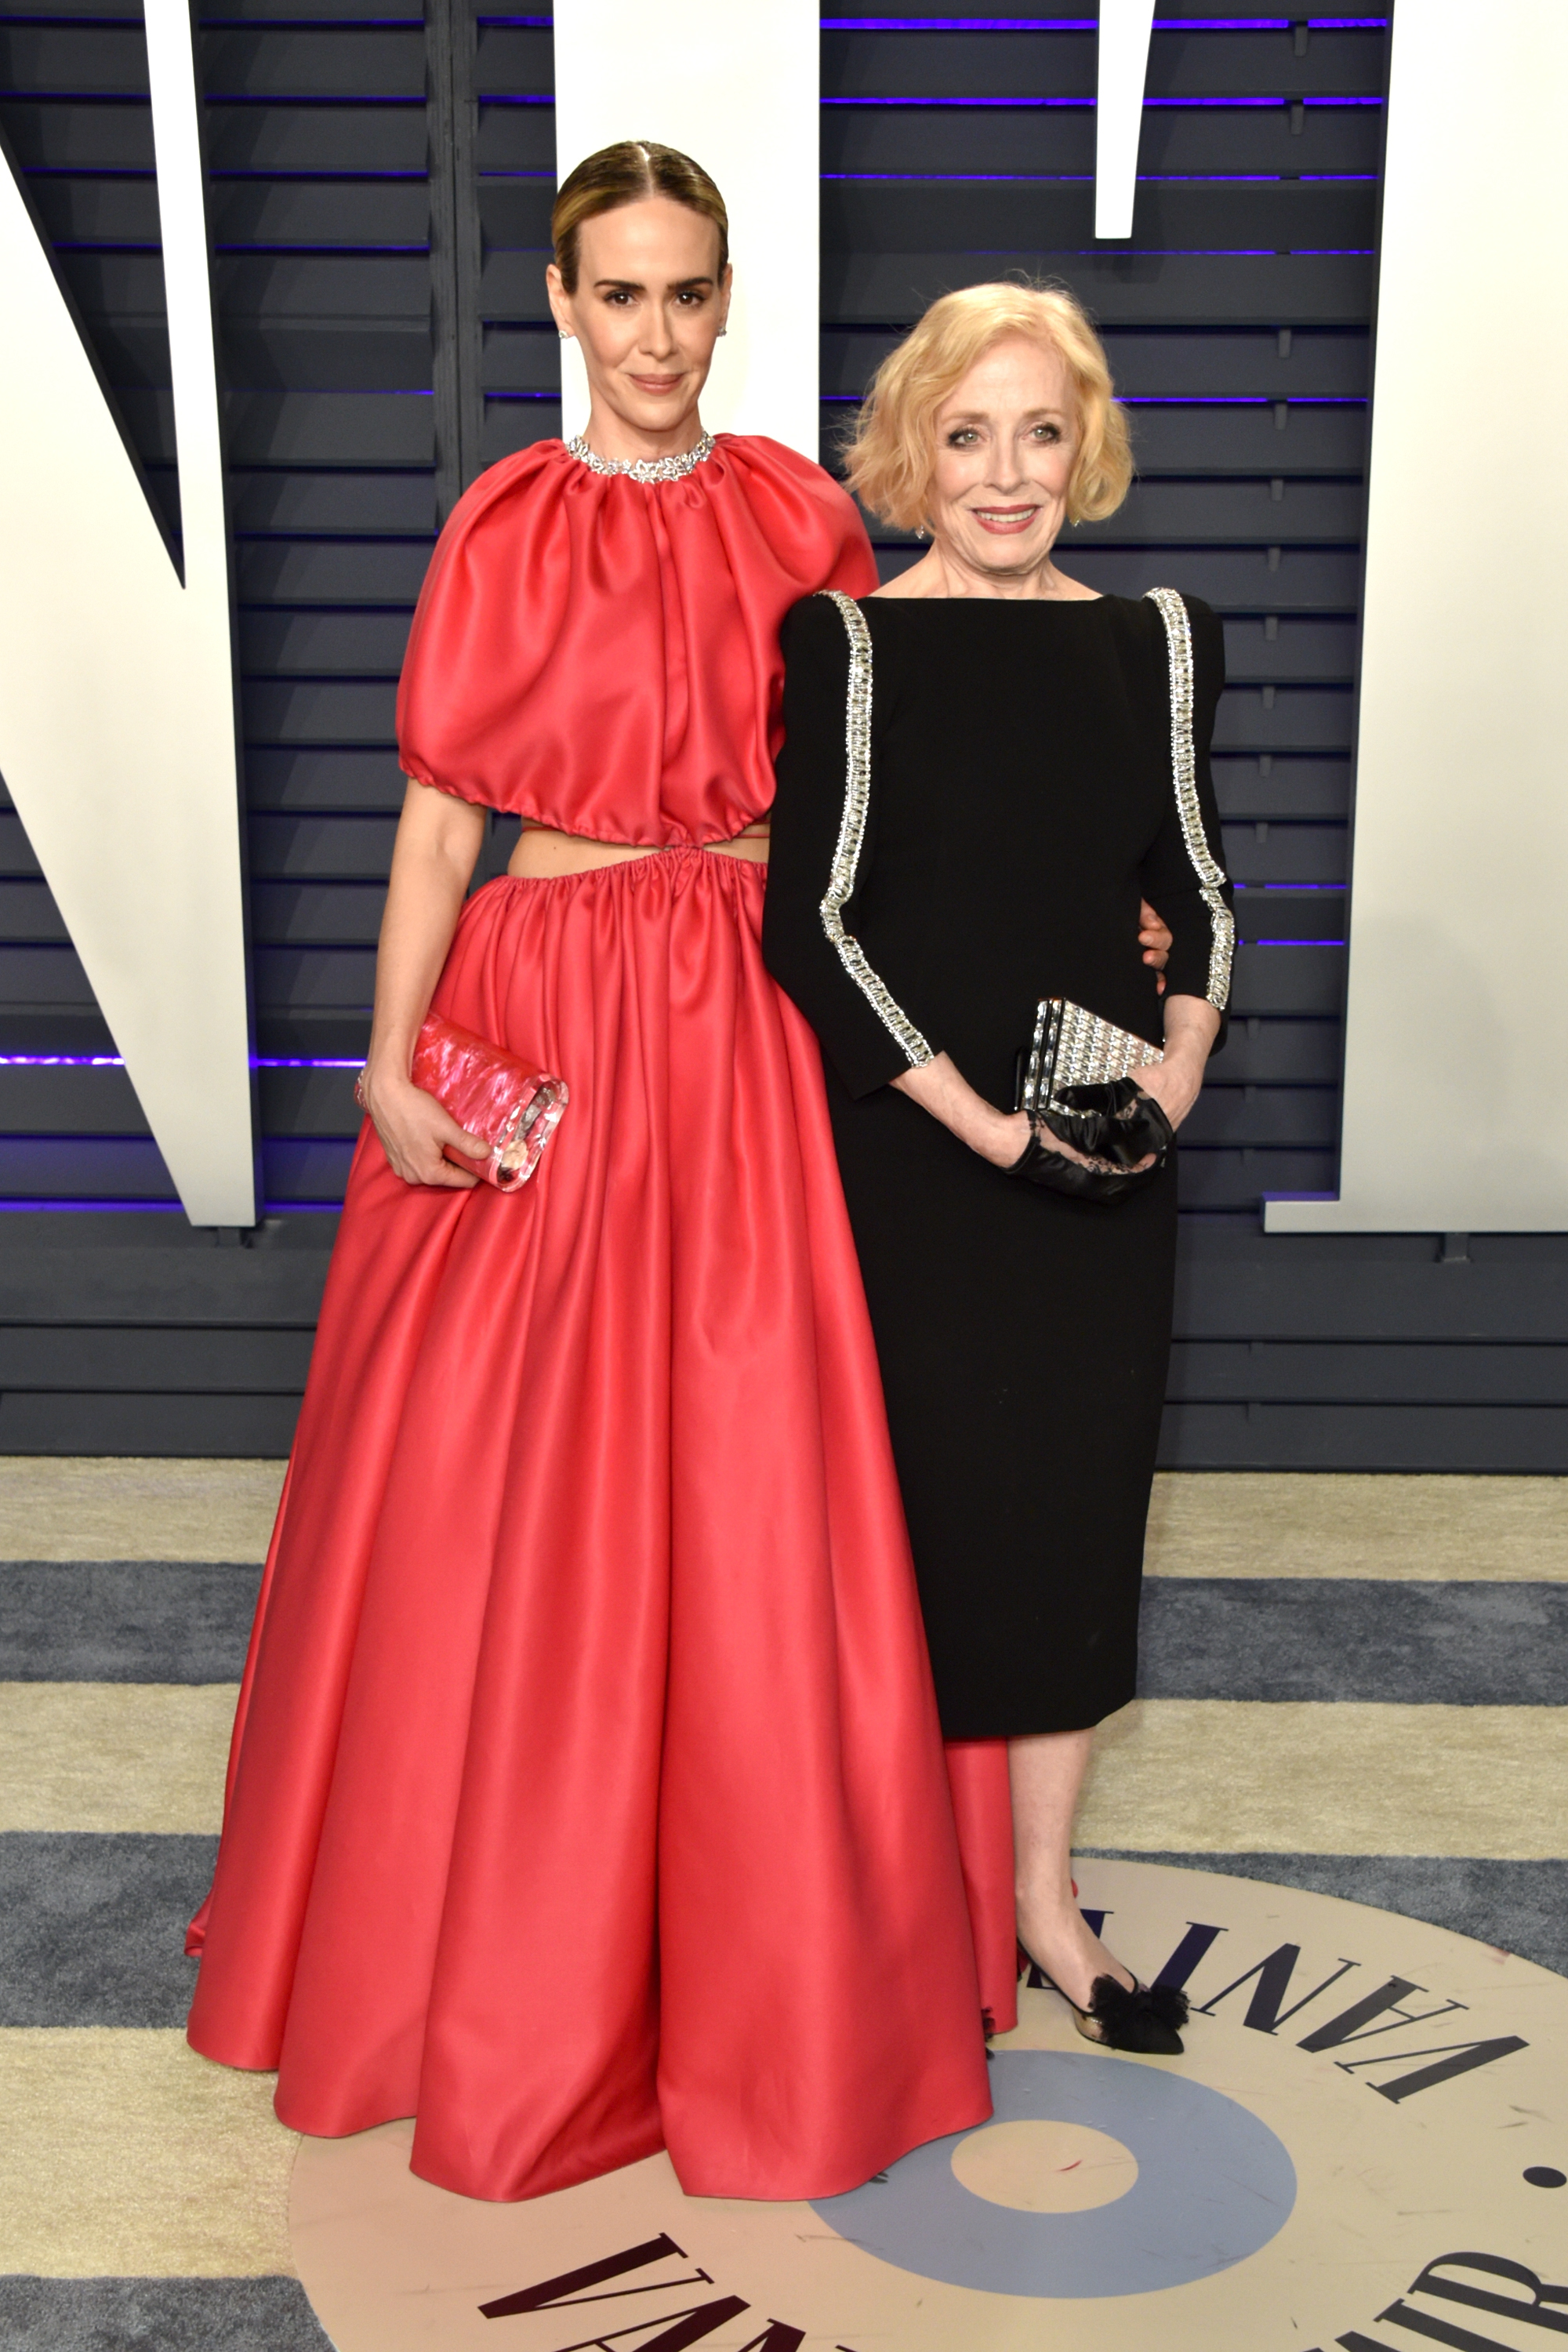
(1024,784)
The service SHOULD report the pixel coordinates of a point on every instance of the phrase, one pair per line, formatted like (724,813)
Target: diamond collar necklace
(643,469)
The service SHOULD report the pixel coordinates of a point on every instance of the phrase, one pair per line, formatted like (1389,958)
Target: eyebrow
(636,286)
(982,417)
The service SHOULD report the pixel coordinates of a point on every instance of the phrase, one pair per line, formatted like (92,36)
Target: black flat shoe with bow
(1145,2019)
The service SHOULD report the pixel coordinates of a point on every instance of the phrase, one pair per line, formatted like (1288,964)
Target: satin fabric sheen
(587,1794)
(602,655)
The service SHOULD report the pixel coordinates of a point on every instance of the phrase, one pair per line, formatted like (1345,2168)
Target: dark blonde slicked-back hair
(628,173)
(891,453)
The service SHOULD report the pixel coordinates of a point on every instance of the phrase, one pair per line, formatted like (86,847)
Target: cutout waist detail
(543,851)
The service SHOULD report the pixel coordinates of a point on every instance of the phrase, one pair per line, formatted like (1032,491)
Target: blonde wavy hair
(892,453)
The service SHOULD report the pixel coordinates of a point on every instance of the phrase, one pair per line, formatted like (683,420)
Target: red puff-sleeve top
(601,654)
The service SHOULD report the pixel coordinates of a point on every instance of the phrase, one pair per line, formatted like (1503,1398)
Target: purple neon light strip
(1084,23)
(534,98)
(1005,180)
(341,252)
(1022,104)
(1263,101)
(1222,252)
(265,97)
(1031,102)
(157,1207)
(960,23)
(305,179)
(1159,399)
(117,1062)
(1239,400)
(77,1207)
(299,24)
(1012,24)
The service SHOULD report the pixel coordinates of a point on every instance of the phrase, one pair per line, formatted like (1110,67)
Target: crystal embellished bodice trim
(643,469)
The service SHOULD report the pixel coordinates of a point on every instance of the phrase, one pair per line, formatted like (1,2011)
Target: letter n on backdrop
(118,739)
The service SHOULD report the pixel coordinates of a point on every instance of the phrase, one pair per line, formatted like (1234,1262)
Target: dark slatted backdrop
(380,192)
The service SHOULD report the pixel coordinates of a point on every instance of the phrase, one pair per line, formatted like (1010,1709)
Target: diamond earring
(564,334)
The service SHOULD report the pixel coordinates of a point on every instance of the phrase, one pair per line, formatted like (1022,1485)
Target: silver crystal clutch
(1074,1048)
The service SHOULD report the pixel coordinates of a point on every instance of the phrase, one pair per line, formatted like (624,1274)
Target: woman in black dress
(1037,760)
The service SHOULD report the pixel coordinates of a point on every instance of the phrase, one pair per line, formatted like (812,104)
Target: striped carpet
(144,2193)
(1358,1686)
(1353,1685)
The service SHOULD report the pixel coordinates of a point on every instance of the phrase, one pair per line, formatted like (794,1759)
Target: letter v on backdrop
(117,717)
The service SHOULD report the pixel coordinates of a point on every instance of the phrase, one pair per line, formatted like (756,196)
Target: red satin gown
(587,1794)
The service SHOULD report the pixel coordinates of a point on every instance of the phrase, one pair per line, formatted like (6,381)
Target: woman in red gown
(586,1794)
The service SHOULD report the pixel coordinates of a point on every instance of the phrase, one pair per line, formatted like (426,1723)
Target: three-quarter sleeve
(1183,876)
(819,857)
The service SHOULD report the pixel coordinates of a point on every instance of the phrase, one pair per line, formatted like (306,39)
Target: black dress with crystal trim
(1024,787)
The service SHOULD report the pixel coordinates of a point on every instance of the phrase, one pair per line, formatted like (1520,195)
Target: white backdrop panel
(1122,69)
(117,722)
(738,87)
(1455,1110)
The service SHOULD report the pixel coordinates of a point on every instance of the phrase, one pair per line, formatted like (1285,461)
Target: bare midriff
(542,852)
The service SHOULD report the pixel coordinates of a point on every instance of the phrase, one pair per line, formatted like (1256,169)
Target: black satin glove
(1116,1126)
(1118,1122)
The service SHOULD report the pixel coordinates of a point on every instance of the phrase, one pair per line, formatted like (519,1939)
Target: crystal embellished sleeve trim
(852,835)
(1185,776)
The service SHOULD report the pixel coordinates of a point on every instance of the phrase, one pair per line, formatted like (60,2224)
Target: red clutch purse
(489,1092)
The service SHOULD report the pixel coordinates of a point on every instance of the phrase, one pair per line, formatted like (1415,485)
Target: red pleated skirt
(587,1794)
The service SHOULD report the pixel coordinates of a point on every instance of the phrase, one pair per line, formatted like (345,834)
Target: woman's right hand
(1002,1136)
(416,1133)
(1012,1128)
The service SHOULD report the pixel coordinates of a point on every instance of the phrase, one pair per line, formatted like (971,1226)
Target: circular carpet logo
(1364,2144)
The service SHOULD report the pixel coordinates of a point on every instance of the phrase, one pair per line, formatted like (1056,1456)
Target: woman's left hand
(1155,940)
(1176,1084)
